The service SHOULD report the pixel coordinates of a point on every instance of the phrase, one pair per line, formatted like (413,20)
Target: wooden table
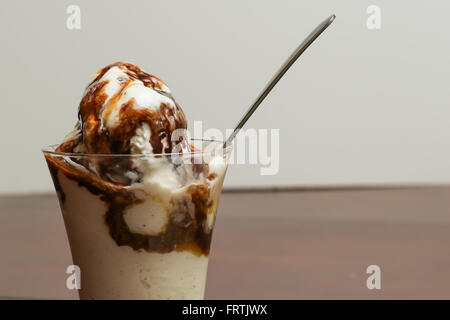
(297,244)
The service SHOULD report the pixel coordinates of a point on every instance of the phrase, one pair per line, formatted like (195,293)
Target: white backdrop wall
(360,107)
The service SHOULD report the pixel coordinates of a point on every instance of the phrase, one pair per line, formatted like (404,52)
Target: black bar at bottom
(226,309)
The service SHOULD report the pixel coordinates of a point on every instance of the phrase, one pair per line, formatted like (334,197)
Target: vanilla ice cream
(139,223)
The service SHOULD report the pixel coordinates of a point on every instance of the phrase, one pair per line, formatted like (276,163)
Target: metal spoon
(289,62)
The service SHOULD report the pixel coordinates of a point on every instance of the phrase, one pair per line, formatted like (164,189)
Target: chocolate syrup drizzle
(186,234)
(98,139)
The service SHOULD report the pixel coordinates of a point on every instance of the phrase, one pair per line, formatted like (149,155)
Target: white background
(359,107)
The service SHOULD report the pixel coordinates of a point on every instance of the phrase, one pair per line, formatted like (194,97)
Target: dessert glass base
(140,226)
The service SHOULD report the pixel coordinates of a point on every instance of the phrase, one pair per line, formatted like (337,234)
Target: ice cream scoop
(125,110)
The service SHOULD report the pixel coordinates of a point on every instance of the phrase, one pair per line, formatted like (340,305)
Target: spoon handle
(289,62)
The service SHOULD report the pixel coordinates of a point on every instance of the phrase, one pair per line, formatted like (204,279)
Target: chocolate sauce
(97,139)
(180,234)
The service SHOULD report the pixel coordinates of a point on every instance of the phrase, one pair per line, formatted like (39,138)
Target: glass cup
(140,226)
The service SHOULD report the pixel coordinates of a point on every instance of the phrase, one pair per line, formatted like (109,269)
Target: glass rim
(50,150)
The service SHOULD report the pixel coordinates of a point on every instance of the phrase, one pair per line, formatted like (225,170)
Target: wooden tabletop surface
(296,244)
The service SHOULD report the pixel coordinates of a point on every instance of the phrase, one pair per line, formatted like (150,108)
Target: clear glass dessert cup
(140,226)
